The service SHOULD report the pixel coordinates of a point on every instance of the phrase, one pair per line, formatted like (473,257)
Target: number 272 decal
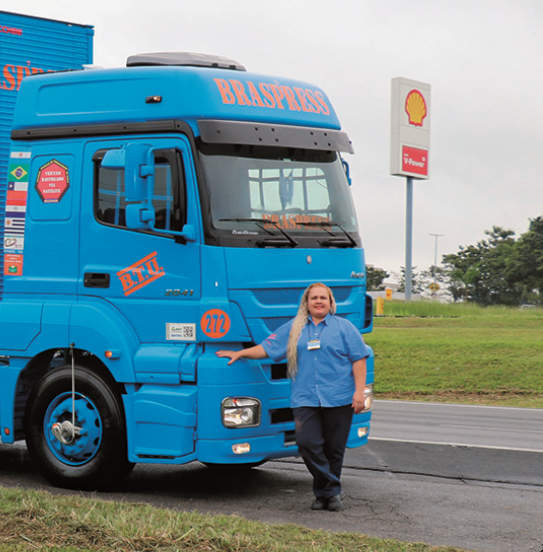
(215,323)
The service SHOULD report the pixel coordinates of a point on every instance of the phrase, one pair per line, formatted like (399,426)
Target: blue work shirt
(325,374)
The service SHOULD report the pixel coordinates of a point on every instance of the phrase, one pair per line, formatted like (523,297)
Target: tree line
(498,270)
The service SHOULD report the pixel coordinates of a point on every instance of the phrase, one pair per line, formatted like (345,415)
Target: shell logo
(415,107)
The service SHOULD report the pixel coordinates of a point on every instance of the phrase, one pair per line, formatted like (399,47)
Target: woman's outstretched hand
(252,352)
(232,355)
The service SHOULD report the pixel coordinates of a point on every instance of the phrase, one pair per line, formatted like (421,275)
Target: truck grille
(292,296)
(273,323)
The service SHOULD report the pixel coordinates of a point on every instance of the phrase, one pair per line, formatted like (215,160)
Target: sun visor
(262,134)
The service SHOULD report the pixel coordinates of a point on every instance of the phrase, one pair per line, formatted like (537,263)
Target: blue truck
(153,214)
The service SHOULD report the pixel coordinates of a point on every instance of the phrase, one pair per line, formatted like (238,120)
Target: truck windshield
(277,197)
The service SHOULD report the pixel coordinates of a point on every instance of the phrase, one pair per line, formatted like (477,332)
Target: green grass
(432,308)
(459,353)
(32,520)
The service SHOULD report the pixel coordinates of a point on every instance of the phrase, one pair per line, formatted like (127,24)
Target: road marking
(489,428)
(482,406)
(454,444)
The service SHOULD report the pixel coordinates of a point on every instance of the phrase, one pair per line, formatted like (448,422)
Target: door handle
(96,280)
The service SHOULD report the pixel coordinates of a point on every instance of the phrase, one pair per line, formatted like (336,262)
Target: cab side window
(168,194)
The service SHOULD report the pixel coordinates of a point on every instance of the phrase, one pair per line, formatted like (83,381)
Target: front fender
(97,327)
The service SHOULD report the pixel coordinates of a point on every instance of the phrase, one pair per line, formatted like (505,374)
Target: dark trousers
(321,436)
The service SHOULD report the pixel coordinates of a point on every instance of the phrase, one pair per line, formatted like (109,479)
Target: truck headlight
(368,398)
(240,412)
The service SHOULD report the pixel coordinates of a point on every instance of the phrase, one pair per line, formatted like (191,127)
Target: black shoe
(335,504)
(319,504)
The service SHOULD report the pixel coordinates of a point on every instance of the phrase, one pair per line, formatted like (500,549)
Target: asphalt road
(483,499)
(479,426)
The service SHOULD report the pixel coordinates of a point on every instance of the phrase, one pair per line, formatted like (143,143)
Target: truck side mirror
(347,170)
(139,217)
(139,172)
(133,159)
(138,163)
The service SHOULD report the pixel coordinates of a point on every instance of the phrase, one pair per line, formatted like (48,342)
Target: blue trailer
(30,45)
(172,207)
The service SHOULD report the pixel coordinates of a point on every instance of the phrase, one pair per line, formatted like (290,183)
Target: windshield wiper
(275,241)
(333,241)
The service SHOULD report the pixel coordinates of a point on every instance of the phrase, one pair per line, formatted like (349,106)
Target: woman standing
(327,365)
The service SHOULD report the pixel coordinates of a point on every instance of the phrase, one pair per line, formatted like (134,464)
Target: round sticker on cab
(215,323)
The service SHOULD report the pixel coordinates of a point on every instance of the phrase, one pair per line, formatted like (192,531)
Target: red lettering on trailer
(12,75)
(11,30)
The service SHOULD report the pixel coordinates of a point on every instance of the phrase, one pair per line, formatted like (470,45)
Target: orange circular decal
(215,323)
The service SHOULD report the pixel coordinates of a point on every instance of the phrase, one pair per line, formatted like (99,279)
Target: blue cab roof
(147,93)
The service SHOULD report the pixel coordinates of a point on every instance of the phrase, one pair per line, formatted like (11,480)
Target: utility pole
(436,236)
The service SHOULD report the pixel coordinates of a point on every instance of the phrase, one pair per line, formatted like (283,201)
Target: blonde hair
(298,325)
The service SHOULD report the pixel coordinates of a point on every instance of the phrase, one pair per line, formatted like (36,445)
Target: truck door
(151,275)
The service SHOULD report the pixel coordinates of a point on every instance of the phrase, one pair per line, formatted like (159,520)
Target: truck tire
(94,458)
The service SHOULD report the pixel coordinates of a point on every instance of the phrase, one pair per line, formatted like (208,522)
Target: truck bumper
(245,451)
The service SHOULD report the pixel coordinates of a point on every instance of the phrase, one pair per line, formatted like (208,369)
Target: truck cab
(166,209)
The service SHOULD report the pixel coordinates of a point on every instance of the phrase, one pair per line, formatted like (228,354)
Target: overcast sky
(482,59)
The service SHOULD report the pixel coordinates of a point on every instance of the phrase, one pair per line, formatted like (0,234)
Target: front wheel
(89,454)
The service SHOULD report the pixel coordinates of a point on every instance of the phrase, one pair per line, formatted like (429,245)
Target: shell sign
(410,128)
(415,107)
